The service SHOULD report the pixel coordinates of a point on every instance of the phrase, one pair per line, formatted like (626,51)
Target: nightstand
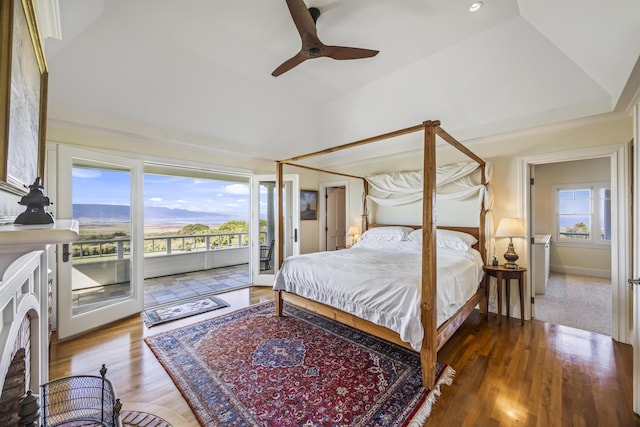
(503,273)
(342,247)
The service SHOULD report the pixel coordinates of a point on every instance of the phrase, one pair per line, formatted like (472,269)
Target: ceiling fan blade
(340,52)
(302,18)
(290,63)
(305,21)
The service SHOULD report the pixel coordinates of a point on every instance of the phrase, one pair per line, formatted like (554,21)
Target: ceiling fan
(312,47)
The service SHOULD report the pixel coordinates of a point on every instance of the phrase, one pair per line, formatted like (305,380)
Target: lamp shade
(510,227)
(353,230)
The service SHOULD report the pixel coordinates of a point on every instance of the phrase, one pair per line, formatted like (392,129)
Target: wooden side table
(502,273)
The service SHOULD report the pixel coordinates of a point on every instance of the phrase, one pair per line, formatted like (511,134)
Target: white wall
(160,150)
(310,230)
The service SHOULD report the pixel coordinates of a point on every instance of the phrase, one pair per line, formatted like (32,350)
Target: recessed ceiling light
(476,6)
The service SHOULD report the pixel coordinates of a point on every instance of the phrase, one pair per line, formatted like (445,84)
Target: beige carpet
(578,301)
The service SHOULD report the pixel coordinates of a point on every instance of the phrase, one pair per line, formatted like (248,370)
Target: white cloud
(155,199)
(86,173)
(181,201)
(237,189)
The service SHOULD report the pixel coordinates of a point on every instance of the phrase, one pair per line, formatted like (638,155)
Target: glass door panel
(264,225)
(100,275)
(101,258)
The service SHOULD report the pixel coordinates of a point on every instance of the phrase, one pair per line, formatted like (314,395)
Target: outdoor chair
(266,255)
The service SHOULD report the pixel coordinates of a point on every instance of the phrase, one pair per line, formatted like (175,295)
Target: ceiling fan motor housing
(315,13)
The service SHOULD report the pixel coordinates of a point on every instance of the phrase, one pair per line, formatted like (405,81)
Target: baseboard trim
(580,271)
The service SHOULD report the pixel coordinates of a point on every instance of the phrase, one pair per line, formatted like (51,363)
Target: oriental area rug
(166,313)
(252,368)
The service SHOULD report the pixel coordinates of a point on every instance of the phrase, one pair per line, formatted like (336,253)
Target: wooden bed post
(428,352)
(482,241)
(280,236)
(434,337)
(365,213)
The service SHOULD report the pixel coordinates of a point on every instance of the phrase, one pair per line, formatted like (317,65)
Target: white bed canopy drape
(457,181)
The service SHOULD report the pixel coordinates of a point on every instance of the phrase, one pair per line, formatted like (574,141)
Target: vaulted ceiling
(199,71)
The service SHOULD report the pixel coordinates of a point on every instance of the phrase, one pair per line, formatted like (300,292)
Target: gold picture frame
(308,205)
(23,97)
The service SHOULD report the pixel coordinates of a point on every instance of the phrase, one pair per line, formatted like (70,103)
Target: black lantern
(35,202)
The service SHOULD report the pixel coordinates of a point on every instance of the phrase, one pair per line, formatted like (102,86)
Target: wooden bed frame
(434,337)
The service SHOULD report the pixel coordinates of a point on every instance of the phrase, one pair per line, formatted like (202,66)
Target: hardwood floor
(538,374)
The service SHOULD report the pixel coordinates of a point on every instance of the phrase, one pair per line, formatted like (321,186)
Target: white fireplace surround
(24,290)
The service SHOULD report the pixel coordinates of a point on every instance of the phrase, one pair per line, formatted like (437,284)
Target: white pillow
(453,235)
(390,233)
(390,245)
(415,235)
(448,239)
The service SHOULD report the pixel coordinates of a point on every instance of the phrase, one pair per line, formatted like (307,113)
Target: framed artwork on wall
(308,204)
(23,97)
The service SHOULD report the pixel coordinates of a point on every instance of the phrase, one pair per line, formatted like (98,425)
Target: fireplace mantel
(24,290)
(17,240)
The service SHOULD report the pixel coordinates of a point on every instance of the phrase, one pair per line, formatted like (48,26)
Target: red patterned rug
(252,368)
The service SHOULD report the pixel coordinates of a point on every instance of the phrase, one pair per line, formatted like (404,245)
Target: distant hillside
(120,213)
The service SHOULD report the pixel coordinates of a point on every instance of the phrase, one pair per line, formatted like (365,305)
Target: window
(583,213)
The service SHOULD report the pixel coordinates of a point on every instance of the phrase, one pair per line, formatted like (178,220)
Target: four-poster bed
(434,336)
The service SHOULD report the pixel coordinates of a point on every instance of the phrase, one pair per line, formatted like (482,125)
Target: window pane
(575,207)
(101,274)
(575,227)
(188,214)
(583,194)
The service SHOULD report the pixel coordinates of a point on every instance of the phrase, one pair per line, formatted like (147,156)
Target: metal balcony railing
(120,248)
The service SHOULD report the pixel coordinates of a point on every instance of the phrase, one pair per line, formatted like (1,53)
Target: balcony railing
(582,235)
(120,248)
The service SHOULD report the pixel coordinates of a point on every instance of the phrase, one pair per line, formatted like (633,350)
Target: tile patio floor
(167,289)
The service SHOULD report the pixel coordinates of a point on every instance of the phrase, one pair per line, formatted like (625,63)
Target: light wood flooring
(538,374)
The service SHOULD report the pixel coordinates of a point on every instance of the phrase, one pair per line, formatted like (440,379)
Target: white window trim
(595,188)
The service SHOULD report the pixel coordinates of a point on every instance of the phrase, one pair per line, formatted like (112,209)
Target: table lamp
(354,232)
(510,227)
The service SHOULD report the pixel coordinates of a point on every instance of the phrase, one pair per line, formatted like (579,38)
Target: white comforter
(382,283)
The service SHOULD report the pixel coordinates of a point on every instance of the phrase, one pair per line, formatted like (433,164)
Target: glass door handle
(65,252)
(634,281)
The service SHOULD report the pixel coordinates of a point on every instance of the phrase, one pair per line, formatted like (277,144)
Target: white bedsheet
(383,285)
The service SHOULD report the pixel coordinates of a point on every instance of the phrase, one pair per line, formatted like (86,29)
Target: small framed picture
(308,204)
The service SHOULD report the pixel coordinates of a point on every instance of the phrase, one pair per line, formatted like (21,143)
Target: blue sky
(93,186)
(574,204)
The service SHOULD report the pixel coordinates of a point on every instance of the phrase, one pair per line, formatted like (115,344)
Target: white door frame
(322,209)
(636,260)
(620,225)
(68,324)
(293,222)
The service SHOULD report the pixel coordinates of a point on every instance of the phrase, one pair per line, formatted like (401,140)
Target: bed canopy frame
(434,337)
